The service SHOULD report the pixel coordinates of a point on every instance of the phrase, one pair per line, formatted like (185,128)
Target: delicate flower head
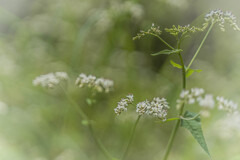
(142,107)
(152,31)
(50,80)
(175,31)
(189,96)
(123,104)
(227,105)
(158,108)
(98,84)
(207,101)
(220,17)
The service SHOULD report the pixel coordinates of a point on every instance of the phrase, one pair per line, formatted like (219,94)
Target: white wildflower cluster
(227,105)
(123,104)
(154,30)
(189,96)
(158,108)
(197,95)
(218,16)
(175,31)
(50,80)
(98,84)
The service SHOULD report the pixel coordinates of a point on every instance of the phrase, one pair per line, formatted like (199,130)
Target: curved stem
(131,138)
(200,46)
(89,125)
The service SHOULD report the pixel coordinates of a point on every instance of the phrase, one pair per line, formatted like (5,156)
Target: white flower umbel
(123,104)
(50,80)
(158,108)
(98,84)
(227,105)
(220,17)
(142,107)
(207,101)
(189,96)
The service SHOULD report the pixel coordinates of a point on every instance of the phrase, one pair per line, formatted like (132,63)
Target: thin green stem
(161,40)
(183,71)
(200,46)
(99,144)
(89,125)
(175,129)
(131,138)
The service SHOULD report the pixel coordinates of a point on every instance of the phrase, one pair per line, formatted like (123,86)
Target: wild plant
(157,107)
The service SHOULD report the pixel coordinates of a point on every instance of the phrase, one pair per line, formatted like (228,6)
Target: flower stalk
(131,138)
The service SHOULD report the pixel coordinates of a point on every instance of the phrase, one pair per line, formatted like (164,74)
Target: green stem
(99,144)
(89,125)
(200,46)
(161,40)
(175,129)
(131,138)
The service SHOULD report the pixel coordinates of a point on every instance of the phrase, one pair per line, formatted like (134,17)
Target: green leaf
(90,101)
(191,71)
(175,64)
(85,122)
(194,126)
(167,51)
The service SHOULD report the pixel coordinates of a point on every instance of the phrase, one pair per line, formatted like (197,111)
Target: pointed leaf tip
(194,126)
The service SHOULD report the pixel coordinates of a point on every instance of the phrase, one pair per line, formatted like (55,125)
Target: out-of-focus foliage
(95,37)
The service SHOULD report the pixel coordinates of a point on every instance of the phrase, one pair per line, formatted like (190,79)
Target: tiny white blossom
(123,104)
(220,17)
(227,105)
(189,96)
(207,101)
(158,108)
(50,80)
(98,84)
(142,107)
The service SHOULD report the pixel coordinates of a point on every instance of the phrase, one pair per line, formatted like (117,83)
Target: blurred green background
(95,37)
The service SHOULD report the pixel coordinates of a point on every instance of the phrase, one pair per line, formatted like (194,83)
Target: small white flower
(220,17)
(189,96)
(207,101)
(98,84)
(159,108)
(227,105)
(50,80)
(123,104)
(142,107)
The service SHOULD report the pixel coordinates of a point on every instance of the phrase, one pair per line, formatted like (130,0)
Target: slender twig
(131,138)
(200,46)
(160,39)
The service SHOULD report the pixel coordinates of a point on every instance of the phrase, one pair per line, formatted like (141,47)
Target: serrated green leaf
(194,126)
(191,71)
(174,64)
(167,51)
